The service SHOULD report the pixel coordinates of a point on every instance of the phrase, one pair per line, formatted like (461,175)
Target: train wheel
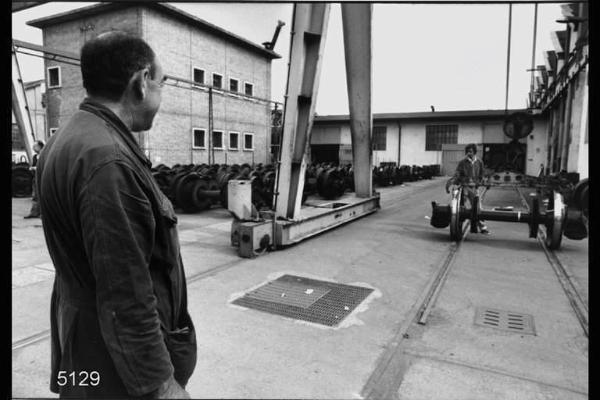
(554,228)
(455,222)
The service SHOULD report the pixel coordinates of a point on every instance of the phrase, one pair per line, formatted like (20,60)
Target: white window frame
(222,140)
(244,143)
(251,84)
(52,131)
(59,76)
(194,68)
(229,141)
(212,81)
(194,129)
(229,86)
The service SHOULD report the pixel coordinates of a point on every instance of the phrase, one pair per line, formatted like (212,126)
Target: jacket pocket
(166,211)
(181,344)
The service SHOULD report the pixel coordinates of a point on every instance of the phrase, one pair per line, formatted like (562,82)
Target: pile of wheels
(390,174)
(194,188)
(21,180)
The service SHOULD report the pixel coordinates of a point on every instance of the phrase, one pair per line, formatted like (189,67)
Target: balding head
(109,61)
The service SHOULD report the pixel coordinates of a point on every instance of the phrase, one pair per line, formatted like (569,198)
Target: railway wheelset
(548,208)
(194,188)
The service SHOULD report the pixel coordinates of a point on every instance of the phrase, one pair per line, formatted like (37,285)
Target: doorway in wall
(321,153)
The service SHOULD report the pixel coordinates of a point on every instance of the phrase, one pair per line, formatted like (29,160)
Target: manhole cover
(306,299)
(509,321)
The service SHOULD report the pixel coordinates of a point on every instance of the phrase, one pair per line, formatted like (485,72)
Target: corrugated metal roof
(161,7)
(439,115)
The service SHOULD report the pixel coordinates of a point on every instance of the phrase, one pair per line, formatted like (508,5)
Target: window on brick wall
(234,140)
(379,137)
(199,140)
(436,135)
(217,81)
(249,89)
(54,77)
(234,85)
(217,139)
(198,76)
(248,141)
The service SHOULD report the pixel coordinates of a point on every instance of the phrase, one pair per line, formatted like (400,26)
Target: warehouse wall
(412,139)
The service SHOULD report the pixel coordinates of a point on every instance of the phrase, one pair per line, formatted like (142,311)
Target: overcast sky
(451,56)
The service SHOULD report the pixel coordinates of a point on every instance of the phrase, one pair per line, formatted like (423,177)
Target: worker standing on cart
(469,175)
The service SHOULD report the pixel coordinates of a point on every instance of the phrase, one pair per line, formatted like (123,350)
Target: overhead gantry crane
(289,222)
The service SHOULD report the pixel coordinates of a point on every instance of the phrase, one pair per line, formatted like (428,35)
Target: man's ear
(139,83)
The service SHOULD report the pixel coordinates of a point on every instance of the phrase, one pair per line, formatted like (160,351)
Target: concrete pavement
(249,354)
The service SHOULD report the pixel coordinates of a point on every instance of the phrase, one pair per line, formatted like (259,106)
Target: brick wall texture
(180,47)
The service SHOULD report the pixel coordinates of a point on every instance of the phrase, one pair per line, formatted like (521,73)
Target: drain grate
(509,321)
(312,300)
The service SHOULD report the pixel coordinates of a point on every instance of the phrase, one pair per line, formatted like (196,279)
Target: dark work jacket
(468,172)
(119,303)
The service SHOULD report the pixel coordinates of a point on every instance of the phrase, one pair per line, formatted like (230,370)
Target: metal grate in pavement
(508,321)
(312,300)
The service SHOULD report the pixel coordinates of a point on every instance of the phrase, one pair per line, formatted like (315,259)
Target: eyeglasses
(160,83)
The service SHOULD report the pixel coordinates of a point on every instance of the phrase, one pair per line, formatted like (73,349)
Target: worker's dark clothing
(119,303)
(468,172)
(34,212)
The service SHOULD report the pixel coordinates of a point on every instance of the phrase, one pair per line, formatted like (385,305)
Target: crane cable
(535,13)
(508,56)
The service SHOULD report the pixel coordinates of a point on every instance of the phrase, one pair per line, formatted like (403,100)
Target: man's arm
(455,178)
(118,230)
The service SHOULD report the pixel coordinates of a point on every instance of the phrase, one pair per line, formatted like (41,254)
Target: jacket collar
(472,161)
(106,114)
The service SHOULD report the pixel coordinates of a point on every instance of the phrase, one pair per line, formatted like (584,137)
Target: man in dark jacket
(469,174)
(34,212)
(120,327)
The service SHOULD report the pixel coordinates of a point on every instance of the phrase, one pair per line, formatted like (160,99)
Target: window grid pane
(217,81)
(436,135)
(53,76)
(379,137)
(198,138)
(198,76)
(233,85)
(248,145)
(233,140)
(217,139)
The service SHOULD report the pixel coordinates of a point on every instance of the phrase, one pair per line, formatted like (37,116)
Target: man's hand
(448,185)
(171,390)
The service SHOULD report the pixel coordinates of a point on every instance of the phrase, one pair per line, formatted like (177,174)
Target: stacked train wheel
(198,187)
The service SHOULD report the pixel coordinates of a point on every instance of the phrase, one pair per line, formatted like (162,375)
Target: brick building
(198,57)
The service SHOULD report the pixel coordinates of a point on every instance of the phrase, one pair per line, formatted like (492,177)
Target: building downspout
(399,142)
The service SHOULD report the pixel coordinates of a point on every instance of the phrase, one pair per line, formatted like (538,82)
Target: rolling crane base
(317,216)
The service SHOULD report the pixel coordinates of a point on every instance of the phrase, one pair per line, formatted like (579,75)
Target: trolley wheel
(554,228)
(455,222)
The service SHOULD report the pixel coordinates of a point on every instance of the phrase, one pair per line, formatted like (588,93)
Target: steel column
(356,19)
(309,29)
(20,107)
